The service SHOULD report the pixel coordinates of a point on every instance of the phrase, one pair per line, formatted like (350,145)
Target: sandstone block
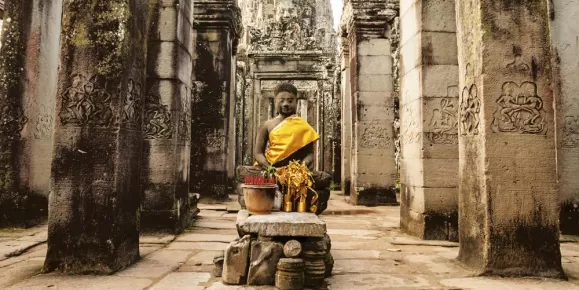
(236,261)
(282,224)
(292,249)
(290,274)
(264,258)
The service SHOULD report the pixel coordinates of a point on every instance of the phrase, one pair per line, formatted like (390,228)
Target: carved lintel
(220,13)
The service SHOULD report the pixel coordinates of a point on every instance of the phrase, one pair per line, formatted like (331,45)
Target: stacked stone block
(508,203)
(218,27)
(429,120)
(167,117)
(95,177)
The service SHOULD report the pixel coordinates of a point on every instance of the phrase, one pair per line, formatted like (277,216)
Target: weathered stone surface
(28,69)
(280,224)
(566,89)
(218,262)
(508,171)
(292,249)
(167,119)
(366,24)
(217,30)
(429,124)
(264,258)
(177,281)
(290,274)
(95,180)
(236,261)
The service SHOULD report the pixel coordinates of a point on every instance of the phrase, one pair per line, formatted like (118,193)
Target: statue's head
(285,11)
(286,99)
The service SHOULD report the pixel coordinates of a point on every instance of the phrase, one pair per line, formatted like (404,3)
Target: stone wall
(31,35)
(217,32)
(566,69)
(167,117)
(429,120)
(508,201)
(367,25)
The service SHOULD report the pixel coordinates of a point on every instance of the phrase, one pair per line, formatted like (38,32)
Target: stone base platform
(288,250)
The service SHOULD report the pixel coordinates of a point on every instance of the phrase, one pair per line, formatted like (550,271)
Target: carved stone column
(508,204)
(217,32)
(346,117)
(29,64)
(429,121)
(95,182)
(167,118)
(566,57)
(373,167)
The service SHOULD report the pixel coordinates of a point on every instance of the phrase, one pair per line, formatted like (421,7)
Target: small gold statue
(297,179)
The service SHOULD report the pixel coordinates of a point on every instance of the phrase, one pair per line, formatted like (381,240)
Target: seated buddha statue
(285,138)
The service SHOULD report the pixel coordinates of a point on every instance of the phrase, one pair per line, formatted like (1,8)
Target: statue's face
(286,11)
(286,103)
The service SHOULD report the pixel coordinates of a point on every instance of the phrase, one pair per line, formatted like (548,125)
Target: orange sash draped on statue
(291,135)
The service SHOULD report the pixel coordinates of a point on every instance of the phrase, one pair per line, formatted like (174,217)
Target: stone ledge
(281,224)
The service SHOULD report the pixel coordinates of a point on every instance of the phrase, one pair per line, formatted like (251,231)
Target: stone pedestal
(217,30)
(565,59)
(29,63)
(167,118)
(429,121)
(279,237)
(508,204)
(373,168)
(95,181)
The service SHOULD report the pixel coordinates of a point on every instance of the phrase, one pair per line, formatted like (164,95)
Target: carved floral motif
(520,110)
(157,120)
(12,121)
(86,101)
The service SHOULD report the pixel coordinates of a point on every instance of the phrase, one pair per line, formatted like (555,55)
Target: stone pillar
(167,118)
(429,123)
(29,65)
(346,117)
(373,167)
(232,136)
(217,31)
(508,203)
(95,181)
(566,57)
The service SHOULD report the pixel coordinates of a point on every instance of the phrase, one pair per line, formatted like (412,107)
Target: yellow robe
(291,135)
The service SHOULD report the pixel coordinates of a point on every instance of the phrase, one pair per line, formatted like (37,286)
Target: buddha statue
(285,138)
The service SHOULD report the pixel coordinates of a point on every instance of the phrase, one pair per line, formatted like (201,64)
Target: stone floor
(369,250)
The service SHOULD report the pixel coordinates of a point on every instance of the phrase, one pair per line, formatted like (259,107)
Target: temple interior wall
(566,64)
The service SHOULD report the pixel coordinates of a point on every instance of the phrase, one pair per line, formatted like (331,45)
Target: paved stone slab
(61,282)
(484,283)
(342,267)
(156,239)
(355,254)
(282,224)
(182,280)
(214,225)
(20,271)
(203,258)
(207,246)
(380,282)
(195,237)
(156,265)
(416,242)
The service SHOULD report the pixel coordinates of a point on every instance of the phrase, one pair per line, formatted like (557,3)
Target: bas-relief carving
(12,121)
(520,110)
(444,121)
(570,127)
(43,128)
(157,121)
(410,131)
(293,29)
(131,112)
(469,111)
(86,102)
(185,116)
